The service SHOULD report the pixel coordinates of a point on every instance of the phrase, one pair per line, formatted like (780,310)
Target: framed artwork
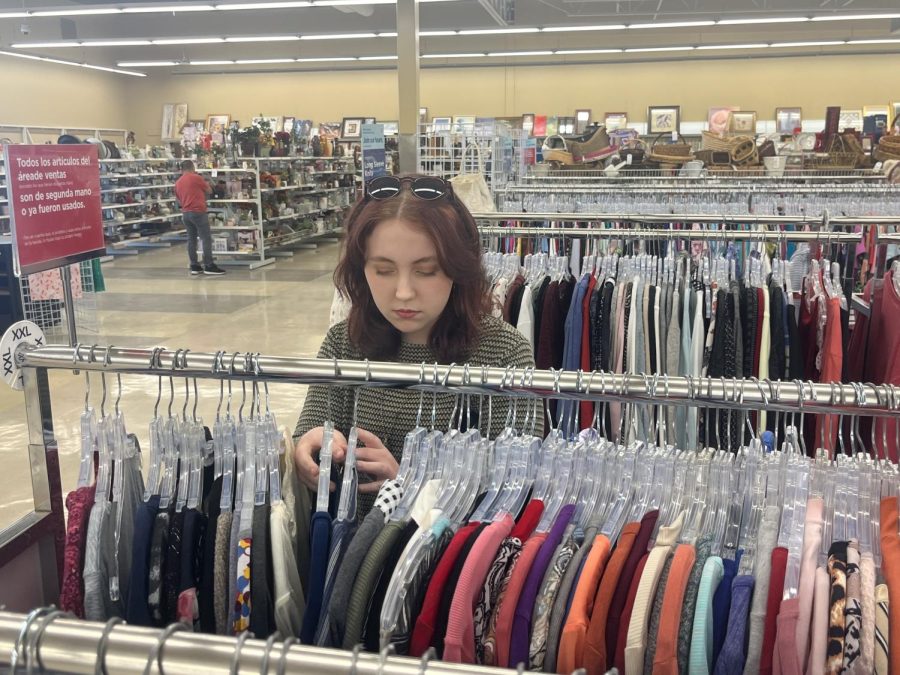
(368,120)
(615,120)
(663,119)
(528,123)
(330,129)
(743,122)
(391,128)
(441,123)
(582,119)
(351,127)
(463,123)
(850,119)
(218,125)
(552,127)
(788,120)
(540,125)
(717,118)
(567,125)
(288,124)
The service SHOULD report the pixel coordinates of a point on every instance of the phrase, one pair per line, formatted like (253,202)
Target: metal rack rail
(655,234)
(741,219)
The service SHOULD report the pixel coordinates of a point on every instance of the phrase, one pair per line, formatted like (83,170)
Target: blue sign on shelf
(374,164)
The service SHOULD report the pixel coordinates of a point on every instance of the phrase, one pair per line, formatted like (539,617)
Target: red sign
(54,205)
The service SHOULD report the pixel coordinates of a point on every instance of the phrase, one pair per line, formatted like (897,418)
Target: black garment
(443,615)
(776,329)
(137,611)
(716,418)
(748,323)
(262,612)
(651,326)
(537,306)
(606,326)
(172,576)
(372,631)
(516,304)
(192,551)
(795,364)
(595,318)
(627,314)
(206,583)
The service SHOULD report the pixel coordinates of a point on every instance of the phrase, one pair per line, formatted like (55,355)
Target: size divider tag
(20,332)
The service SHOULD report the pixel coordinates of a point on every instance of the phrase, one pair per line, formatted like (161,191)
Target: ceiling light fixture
(147,64)
(378,58)
(253,62)
(471,55)
(263,38)
(526,53)
(821,43)
(386,35)
(756,45)
(188,41)
(13,15)
(566,52)
(437,33)
(165,9)
(76,12)
(31,57)
(339,36)
(349,3)
(885,41)
(579,29)
(673,24)
(659,49)
(774,19)
(326,58)
(210,63)
(855,17)
(498,31)
(237,6)
(45,45)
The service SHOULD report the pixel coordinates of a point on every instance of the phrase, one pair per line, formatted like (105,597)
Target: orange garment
(571,644)
(665,662)
(595,656)
(890,567)
(510,598)
(622,639)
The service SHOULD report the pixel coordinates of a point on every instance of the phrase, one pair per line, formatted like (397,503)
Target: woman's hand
(310,444)
(375,460)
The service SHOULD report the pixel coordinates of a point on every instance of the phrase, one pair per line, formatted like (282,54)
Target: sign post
(54,210)
(374,164)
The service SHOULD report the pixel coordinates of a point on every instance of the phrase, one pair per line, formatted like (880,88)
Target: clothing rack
(65,645)
(585,187)
(860,399)
(740,219)
(656,234)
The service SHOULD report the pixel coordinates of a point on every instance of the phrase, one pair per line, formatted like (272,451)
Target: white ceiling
(446,15)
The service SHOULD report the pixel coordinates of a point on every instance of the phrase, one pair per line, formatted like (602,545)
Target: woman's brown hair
(452,229)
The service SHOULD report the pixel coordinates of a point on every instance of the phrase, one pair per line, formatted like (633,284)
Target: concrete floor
(282,309)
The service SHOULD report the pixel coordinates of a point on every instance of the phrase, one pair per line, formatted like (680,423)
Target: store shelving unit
(274,205)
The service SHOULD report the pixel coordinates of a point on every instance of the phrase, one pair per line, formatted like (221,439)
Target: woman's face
(407,283)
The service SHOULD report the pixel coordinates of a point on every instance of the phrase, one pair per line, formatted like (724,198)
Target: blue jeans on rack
(197,224)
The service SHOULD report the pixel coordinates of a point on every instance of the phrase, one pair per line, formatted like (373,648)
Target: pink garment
(812,541)
(785,661)
(459,641)
(819,627)
(188,609)
(48,285)
(78,507)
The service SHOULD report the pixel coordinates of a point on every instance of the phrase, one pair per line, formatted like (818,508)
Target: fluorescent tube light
(188,41)
(76,12)
(31,57)
(378,58)
(147,64)
(13,15)
(757,45)
(386,34)
(885,41)
(263,38)
(565,52)
(498,31)
(437,33)
(237,6)
(253,62)
(168,8)
(773,19)
(822,43)
(114,43)
(659,49)
(347,3)
(579,29)
(338,36)
(472,55)
(326,58)
(673,24)
(528,53)
(211,63)
(45,45)
(855,17)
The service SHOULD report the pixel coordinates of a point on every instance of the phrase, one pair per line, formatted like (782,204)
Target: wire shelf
(49,311)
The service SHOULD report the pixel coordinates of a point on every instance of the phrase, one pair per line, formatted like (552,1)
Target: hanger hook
(383,656)
(103,644)
(33,644)
(264,666)
(285,648)
(156,653)
(236,657)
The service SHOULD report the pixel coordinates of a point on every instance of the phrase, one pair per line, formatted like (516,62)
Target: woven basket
(670,153)
(711,141)
(744,151)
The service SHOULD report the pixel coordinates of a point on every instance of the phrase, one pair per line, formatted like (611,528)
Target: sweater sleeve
(317,407)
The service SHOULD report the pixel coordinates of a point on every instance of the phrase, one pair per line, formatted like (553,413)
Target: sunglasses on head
(428,188)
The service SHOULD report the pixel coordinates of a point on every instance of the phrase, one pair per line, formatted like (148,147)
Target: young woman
(411,266)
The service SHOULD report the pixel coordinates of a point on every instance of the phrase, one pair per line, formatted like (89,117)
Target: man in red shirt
(191,190)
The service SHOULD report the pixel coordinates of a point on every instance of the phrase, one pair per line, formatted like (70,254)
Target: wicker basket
(744,151)
(839,157)
(670,153)
(711,141)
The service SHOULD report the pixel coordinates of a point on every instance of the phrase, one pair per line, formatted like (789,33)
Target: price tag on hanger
(21,332)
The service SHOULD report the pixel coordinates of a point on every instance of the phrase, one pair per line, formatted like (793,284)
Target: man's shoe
(196,269)
(213,271)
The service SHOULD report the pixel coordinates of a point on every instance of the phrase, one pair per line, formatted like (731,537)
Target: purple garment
(520,640)
(572,345)
(734,652)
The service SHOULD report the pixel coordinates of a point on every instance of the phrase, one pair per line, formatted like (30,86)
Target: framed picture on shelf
(540,125)
(582,119)
(528,123)
(788,120)
(330,129)
(552,125)
(663,119)
(218,125)
(567,126)
(288,125)
(391,128)
(742,122)
(463,123)
(351,127)
(717,119)
(423,115)
(441,123)
(850,119)
(615,120)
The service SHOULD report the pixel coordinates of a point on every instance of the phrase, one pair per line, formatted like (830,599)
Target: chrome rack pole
(878,400)
(68,645)
(738,219)
(656,234)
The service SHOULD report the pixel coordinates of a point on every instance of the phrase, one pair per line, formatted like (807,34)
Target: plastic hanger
(229,439)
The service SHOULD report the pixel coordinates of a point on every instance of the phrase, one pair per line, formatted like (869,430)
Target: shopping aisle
(151,300)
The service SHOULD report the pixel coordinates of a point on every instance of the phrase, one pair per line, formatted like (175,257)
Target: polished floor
(150,300)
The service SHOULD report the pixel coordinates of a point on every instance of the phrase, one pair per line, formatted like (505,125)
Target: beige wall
(36,93)
(74,96)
